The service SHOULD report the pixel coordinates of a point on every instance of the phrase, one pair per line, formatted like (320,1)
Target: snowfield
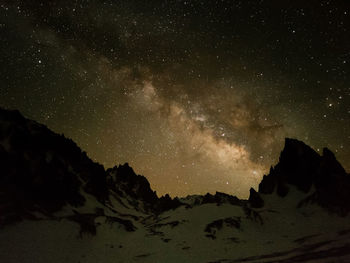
(279,232)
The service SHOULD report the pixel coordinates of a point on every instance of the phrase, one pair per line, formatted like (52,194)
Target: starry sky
(197,96)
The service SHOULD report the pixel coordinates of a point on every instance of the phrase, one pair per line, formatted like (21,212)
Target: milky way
(198,96)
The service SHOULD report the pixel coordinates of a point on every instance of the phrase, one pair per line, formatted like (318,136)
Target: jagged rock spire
(299,165)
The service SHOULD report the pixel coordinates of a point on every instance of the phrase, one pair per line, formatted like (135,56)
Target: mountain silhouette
(299,165)
(43,170)
(56,205)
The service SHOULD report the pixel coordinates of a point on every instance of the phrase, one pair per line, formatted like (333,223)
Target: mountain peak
(301,166)
(49,171)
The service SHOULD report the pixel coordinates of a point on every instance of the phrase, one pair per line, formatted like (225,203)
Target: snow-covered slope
(56,205)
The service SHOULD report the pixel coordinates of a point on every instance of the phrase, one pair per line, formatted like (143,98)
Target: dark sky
(198,96)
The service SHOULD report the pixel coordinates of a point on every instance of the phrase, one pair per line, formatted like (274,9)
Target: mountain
(301,167)
(57,205)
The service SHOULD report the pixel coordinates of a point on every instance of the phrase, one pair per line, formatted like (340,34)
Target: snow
(179,235)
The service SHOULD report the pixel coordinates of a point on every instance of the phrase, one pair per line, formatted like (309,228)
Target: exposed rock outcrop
(300,166)
(42,170)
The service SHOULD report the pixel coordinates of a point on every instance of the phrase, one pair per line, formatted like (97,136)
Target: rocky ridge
(53,196)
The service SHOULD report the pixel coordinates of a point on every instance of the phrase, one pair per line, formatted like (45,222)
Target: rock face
(218,199)
(301,166)
(255,199)
(124,181)
(41,170)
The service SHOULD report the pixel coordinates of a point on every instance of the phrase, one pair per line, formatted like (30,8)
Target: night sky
(198,96)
